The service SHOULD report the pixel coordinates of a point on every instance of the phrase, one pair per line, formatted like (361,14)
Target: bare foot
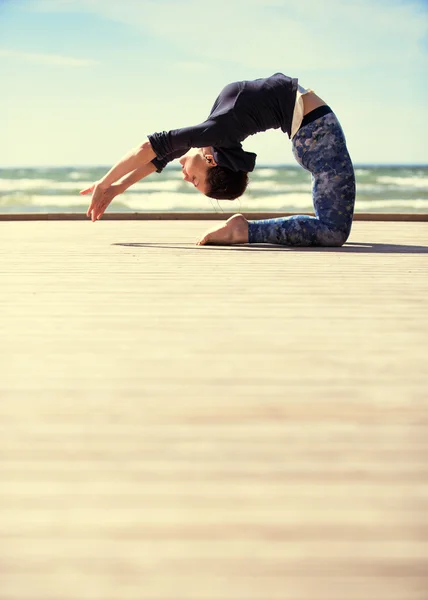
(232,231)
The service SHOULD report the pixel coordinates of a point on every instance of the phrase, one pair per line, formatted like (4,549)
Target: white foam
(55,201)
(265,172)
(9,185)
(372,205)
(68,185)
(376,188)
(278,202)
(412,182)
(20,185)
(292,202)
(165,201)
(158,186)
(279,187)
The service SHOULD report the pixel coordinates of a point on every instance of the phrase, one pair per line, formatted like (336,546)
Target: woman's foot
(232,231)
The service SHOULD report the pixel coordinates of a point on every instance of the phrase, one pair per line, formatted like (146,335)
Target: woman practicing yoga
(213,160)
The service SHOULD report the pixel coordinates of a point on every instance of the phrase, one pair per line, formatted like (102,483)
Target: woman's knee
(334,237)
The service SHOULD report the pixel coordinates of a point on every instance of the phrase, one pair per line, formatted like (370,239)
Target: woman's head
(200,169)
(225,184)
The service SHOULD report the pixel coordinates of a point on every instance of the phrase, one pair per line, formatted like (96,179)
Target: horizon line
(173,167)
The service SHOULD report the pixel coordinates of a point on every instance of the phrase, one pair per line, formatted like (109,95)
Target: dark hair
(225,184)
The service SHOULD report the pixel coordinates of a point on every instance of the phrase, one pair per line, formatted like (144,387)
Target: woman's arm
(136,164)
(115,189)
(177,142)
(132,161)
(135,176)
(220,133)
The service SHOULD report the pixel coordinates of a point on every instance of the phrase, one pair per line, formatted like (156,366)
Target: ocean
(287,189)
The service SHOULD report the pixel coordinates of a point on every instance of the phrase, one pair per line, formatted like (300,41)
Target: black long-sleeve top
(243,108)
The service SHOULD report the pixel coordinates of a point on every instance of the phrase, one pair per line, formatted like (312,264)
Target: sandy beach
(206,423)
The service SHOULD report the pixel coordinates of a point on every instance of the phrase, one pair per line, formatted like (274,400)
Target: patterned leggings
(319,147)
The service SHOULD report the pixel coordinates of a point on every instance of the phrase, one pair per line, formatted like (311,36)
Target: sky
(83,81)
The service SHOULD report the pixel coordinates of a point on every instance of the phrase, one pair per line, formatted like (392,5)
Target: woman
(213,160)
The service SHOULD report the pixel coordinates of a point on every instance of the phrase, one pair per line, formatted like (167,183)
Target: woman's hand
(101,198)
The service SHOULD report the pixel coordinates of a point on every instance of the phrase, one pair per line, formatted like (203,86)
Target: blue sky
(85,80)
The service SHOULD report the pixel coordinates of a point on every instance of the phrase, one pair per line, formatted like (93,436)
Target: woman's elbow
(145,153)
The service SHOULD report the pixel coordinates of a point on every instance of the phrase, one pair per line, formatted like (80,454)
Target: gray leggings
(319,147)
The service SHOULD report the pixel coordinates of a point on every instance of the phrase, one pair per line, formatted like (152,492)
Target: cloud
(284,34)
(47,59)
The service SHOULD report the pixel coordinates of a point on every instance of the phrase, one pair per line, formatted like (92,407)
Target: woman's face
(195,164)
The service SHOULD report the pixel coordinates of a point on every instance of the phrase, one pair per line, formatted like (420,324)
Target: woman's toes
(211,236)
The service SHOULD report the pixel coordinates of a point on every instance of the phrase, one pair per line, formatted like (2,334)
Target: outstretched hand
(101,198)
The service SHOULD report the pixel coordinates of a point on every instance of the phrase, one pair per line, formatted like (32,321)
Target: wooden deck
(185,423)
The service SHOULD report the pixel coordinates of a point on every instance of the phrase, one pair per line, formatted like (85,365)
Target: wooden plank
(205,423)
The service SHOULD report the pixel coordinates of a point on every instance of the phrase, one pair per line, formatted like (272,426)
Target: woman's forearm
(133,160)
(135,176)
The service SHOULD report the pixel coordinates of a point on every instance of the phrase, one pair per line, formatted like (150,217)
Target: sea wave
(39,185)
(264,173)
(164,201)
(303,202)
(408,182)
(278,187)
(23,185)
(285,189)
(380,186)
(134,202)
(404,204)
